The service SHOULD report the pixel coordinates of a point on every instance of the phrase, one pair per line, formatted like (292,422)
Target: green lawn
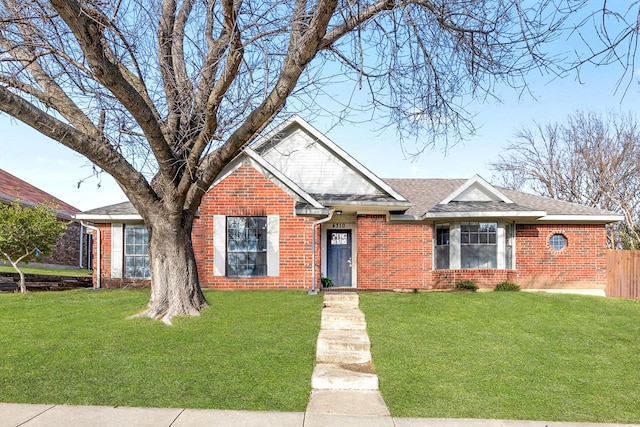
(506,355)
(48,271)
(249,350)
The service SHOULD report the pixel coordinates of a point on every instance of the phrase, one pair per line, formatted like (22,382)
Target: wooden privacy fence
(623,274)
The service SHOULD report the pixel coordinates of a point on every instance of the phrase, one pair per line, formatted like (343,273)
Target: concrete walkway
(344,393)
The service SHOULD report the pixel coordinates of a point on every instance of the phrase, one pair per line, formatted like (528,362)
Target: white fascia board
(496,214)
(582,218)
(266,166)
(108,218)
(336,150)
(482,182)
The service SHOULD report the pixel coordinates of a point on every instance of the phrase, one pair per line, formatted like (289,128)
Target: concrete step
(340,318)
(348,402)
(344,300)
(343,347)
(330,376)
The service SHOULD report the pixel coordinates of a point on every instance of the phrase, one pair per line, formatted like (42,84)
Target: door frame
(338,224)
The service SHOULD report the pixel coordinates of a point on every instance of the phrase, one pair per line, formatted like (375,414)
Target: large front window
(473,244)
(246,246)
(136,252)
(478,244)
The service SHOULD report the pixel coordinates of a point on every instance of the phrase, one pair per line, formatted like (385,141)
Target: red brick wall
(389,255)
(247,192)
(581,264)
(484,278)
(392,256)
(66,250)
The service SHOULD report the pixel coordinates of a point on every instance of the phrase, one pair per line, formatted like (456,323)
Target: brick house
(294,208)
(69,249)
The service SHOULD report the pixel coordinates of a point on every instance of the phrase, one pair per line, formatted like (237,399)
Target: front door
(339,257)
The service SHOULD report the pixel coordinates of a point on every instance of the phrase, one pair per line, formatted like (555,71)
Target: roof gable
(270,172)
(316,164)
(427,195)
(476,189)
(12,188)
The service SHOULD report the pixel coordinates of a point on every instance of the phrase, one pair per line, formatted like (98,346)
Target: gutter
(98,261)
(313,290)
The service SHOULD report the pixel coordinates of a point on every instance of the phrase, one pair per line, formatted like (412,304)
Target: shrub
(507,286)
(466,285)
(326,282)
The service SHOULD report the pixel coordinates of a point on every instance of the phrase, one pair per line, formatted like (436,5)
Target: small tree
(27,232)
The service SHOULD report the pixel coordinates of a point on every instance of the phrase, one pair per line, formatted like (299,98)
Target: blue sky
(57,170)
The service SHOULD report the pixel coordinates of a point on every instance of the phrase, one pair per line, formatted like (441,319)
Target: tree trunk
(175,289)
(22,286)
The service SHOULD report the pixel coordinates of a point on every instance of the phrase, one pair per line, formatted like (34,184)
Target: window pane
(442,257)
(558,242)
(246,246)
(478,256)
(136,251)
(442,234)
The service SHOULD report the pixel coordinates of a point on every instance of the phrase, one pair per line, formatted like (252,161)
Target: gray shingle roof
(425,194)
(479,207)
(124,208)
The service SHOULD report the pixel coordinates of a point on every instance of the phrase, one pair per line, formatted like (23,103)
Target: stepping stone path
(344,381)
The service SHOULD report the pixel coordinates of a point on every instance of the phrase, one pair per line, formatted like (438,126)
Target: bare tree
(590,159)
(162,94)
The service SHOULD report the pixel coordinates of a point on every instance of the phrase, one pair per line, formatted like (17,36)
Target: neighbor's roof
(119,211)
(12,188)
(425,196)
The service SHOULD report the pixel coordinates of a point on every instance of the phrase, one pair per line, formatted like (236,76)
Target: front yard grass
(506,355)
(250,350)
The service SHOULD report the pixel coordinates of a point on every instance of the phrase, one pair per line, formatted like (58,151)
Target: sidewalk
(12,415)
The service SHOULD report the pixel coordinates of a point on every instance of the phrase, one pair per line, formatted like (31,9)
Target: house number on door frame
(339,225)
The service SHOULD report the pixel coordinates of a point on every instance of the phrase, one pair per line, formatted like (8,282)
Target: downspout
(98,260)
(80,255)
(313,290)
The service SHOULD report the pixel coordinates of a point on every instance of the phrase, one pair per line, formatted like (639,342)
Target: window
(508,247)
(136,252)
(246,246)
(442,246)
(478,244)
(558,242)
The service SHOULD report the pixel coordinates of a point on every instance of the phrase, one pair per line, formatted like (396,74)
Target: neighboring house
(295,207)
(68,250)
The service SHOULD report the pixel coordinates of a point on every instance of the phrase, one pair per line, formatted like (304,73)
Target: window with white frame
(509,235)
(558,242)
(473,244)
(246,246)
(442,246)
(136,252)
(478,244)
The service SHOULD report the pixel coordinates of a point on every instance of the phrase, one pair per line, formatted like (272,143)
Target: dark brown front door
(339,257)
